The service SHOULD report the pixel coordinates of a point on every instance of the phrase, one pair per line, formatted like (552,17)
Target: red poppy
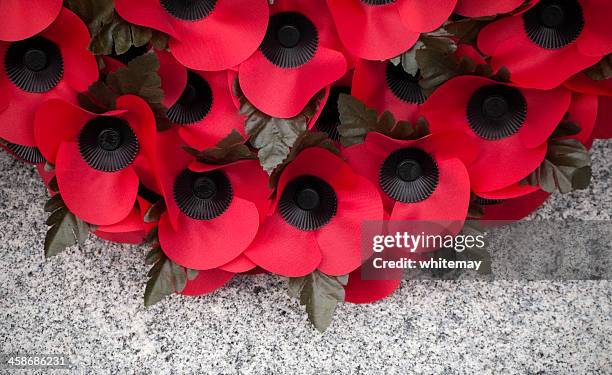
(299,56)
(382,29)
(213,211)
(316,217)
(424,179)
(52,64)
(359,290)
(98,157)
(23,19)
(531,45)
(478,8)
(199,103)
(509,125)
(204,35)
(384,86)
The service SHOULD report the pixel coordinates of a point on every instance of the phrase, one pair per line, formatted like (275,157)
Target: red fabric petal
(285,92)
(173,77)
(509,192)
(220,121)
(545,110)
(23,19)
(583,111)
(497,32)
(240,264)
(603,127)
(367,291)
(477,8)
(72,37)
(207,282)
(533,66)
(147,13)
(370,86)
(338,240)
(515,209)
(130,230)
(596,38)
(466,50)
(57,121)
(96,197)
(206,244)
(583,84)
(373,32)
(425,15)
(131,238)
(283,249)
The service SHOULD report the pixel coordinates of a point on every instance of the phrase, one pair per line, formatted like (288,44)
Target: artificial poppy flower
(52,64)
(132,229)
(315,218)
(359,290)
(23,19)
(509,125)
(299,56)
(204,35)
(385,86)
(199,103)
(213,211)
(478,8)
(98,157)
(383,29)
(206,282)
(424,179)
(531,44)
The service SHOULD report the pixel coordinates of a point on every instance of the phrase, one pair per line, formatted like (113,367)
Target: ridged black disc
(195,102)
(488,202)
(496,111)
(108,144)
(189,10)
(34,65)
(330,117)
(378,2)
(403,85)
(308,203)
(291,40)
(409,175)
(28,153)
(203,195)
(554,24)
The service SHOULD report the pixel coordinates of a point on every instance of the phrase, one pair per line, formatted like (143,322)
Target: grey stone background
(87,303)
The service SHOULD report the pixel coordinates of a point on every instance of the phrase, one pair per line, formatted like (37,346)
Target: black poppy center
(496,111)
(329,120)
(108,144)
(404,85)
(291,40)
(30,154)
(554,24)
(308,203)
(203,195)
(34,65)
(189,10)
(195,102)
(409,175)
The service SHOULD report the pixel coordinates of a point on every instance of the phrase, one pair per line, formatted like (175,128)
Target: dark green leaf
(566,129)
(155,211)
(230,149)
(65,228)
(320,294)
(53,185)
(602,70)
(165,278)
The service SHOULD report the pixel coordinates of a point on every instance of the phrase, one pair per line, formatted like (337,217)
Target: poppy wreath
(243,137)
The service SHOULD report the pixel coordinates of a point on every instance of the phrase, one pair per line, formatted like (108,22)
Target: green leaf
(230,149)
(192,274)
(273,137)
(65,228)
(165,278)
(567,167)
(566,129)
(602,70)
(155,211)
(408,60)
(320,294)
(357,120)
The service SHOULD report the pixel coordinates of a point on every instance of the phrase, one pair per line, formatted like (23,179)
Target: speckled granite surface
(88,303)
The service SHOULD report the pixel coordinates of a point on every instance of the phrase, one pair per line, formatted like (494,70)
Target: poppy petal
(477,8)
(146,13)
(603,127)
(105,198)
(38,13)
(238,265)
(583,111)
(173,77)
(285,92)
(596,38)
(514,209)
(367,291)
(509,192)
(283,249)
(545,110)
(206,244)
(425,15)
(497,32)
(206,282)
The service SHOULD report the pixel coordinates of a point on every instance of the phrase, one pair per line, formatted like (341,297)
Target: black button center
(495,107)
(289,36)
(552,15)
(409,170)
(35,59)
(308,199)
(109,139)
(204,187)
